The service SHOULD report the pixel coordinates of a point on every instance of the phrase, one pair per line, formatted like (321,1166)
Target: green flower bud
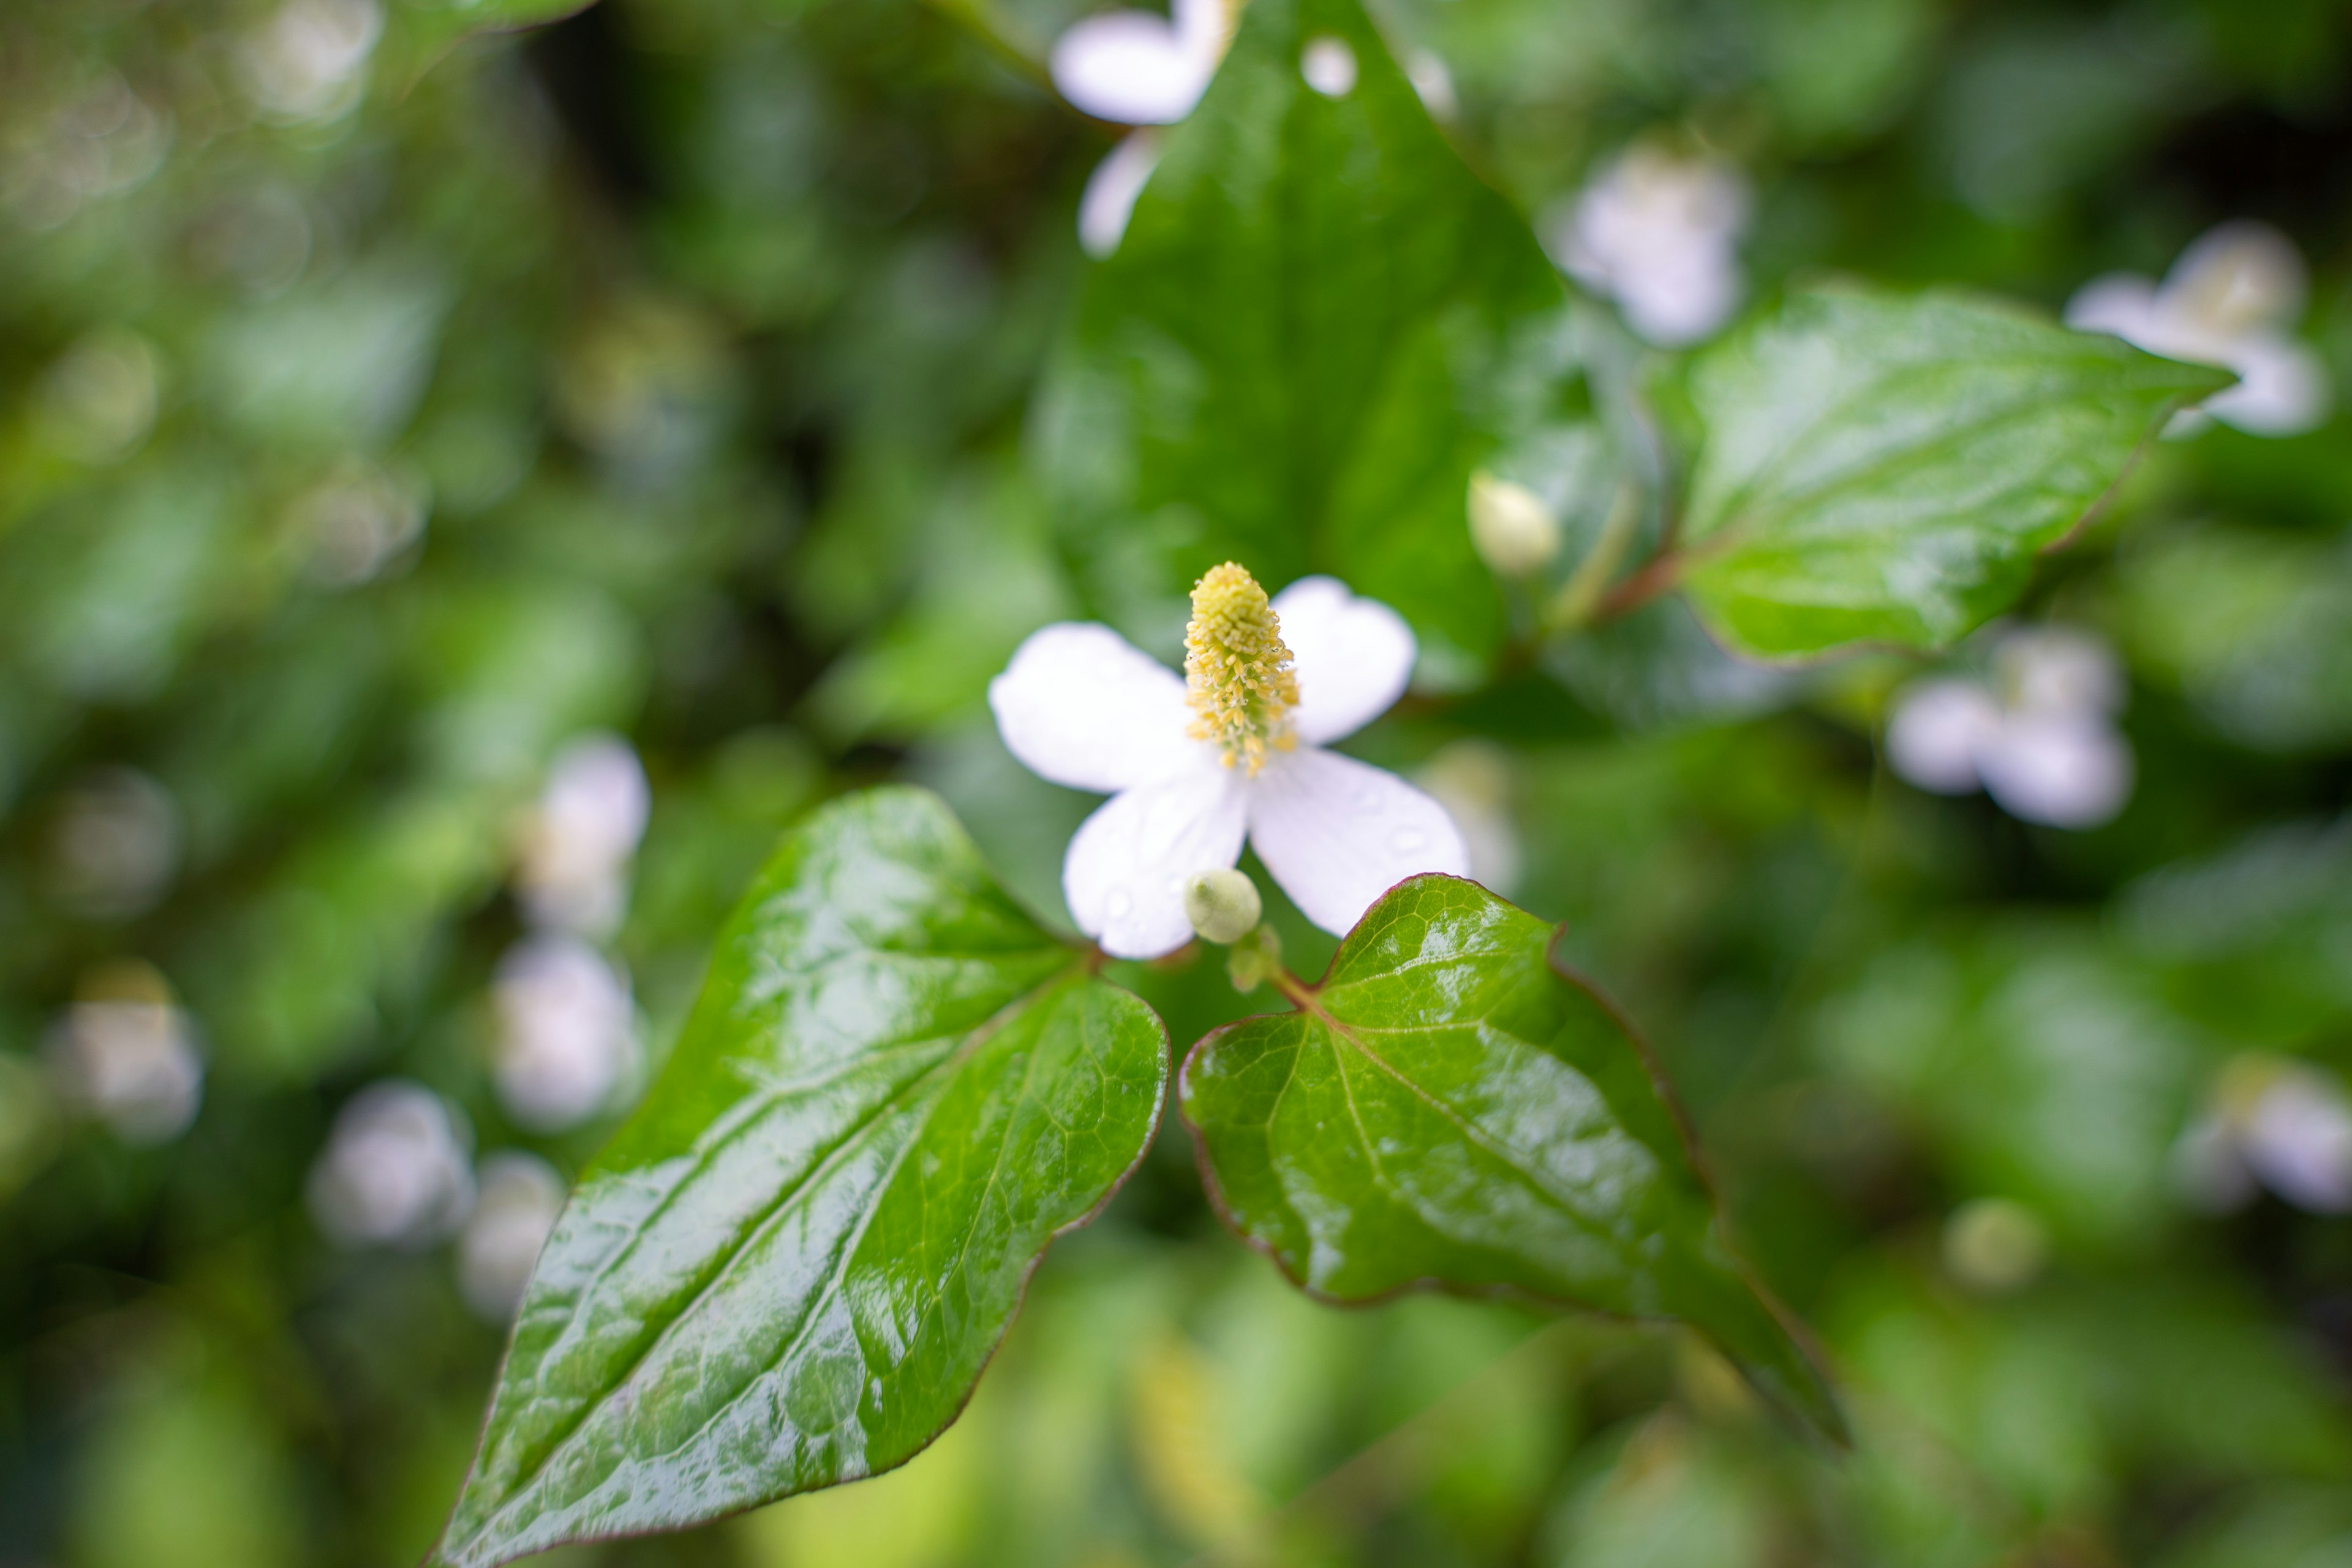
(1512,529)
(1223,905)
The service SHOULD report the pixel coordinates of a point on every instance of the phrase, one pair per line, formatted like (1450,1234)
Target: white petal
(2119,304)
(2300,1142)
(1112,191)
(2282,391)
(1204,28)
(1936,732)
(1338,833)
(1353,657)
(2242,276)
(1082,706)
(1131,68)
(1124,875)
(2065,770)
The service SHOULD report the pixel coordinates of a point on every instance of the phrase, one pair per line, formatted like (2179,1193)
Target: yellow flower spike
(1237,672)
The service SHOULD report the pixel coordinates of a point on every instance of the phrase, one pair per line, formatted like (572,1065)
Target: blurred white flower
(2270,1123)
(97,403)
(2041,739)
(396,1170)
(574,871)
(309,62)
(2231,300)
(114,843)
(1329,66)
(1473,781)
(1660,235)
(520,1194)
(126,1054)
(566,1033)
(1132,68)
(358,519)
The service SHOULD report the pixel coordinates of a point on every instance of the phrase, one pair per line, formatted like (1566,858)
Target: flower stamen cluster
(1239,677)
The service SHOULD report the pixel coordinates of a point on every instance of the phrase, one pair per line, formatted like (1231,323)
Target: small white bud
(1223,905)
(1512,529)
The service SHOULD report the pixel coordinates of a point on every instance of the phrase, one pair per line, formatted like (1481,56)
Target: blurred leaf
(1885,468)
(788,1268)
(1319,324)
(1451,1107)
(2254,624)
(1996,1041)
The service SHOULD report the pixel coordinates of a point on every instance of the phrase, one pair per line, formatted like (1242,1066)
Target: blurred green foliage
(381,413)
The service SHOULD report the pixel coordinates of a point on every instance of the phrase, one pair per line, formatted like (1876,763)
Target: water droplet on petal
(1406,840)
(1367,798)
(1119,904)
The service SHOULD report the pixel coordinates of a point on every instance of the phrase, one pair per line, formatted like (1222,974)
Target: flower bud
(1223,905)
(1514,531)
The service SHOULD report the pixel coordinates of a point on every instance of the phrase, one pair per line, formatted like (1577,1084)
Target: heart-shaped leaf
(1317,325)
(1451,1107)
(1884,468)
(790,1266)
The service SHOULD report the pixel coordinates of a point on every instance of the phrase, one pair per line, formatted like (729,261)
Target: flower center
(1237,673)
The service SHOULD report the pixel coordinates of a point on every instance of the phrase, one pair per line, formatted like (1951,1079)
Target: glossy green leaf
(1884,468)
(1452,1106)
(788,1268)
(1320,322)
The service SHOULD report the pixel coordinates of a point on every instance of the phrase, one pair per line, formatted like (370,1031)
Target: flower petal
(1124,875)
(2282,389)
(2061,769)
(1338,833)
(1082,706)
(1353,657)
(1131,68)
(1112,191)
(1939,729)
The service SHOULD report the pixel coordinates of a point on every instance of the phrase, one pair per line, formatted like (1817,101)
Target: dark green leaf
(1319,324)
(788,1268)
(1885,468)
(1453,1107)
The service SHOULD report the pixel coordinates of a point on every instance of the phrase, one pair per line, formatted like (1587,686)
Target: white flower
(127,1055)
(1234,750)
(2041,740)
(2230,300)
(521,1196)
(1132,68)
(2283,1125)
(574,869)
(394,1172)
(567,1033)
(1660,234)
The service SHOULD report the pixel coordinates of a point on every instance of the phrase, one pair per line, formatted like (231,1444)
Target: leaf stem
(985,21)
(1578,597)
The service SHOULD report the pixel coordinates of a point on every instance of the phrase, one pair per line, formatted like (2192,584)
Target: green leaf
(1884,468)
(788,1268)
(1453,1107)
(1318,324)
